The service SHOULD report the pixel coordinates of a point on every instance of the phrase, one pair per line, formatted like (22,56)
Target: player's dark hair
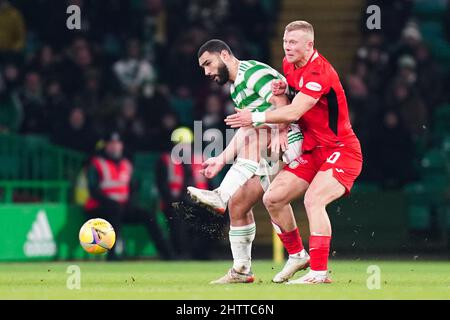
(214,45)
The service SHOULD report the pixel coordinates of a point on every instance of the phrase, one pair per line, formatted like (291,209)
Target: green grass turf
(189,280)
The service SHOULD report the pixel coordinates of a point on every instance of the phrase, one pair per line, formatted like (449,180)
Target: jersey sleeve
(315,82)
(259,79)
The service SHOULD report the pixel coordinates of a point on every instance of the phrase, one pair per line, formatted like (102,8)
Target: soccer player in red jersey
(331,159)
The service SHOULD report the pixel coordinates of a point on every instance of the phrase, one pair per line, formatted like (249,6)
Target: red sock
(319,249)
(291,241)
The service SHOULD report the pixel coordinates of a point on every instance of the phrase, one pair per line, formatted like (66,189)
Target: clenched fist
(278,87)
(212,167)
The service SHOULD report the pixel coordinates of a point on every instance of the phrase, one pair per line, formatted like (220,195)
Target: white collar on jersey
(314,56)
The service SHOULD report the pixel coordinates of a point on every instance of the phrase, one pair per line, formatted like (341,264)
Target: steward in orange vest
(114,176)
(172,179)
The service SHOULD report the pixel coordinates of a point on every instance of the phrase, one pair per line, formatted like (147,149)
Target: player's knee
(236,209)
(313,200)
(237,215)
(238,212)
(273,200)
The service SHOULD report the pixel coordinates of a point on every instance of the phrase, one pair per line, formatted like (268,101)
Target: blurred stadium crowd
(133,66)
(396,85)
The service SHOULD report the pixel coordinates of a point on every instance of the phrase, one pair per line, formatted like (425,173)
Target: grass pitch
(189,281)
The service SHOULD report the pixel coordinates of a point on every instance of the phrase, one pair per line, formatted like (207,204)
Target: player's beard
(222,74)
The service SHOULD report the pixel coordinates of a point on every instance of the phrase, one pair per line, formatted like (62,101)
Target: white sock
(297,255)
(321,274)
(241,239)
(240,172)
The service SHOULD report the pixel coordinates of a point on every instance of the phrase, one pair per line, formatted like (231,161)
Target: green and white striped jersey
(252,88)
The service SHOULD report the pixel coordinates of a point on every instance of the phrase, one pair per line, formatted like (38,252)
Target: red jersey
(326,124)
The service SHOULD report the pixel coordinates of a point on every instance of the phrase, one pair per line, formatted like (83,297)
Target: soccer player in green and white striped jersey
(250,88)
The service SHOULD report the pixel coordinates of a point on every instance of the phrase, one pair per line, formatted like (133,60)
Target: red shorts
(346,163)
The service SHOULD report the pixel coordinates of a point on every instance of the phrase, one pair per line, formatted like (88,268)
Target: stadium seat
(446,144)
(445,148)
(184,108)
(429,191)
(137,242)
(441,120)
(444,217)
(365,187)
(419,217)
(433,163)
(434,171)
(144,175)
(420,145)
(429,10)
(32,157)
(432,30)
(440,49)
(10,168)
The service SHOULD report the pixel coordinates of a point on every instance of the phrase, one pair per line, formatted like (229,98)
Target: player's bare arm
(280,143)
(301,104)
(213,165)
(278,87)
(279,100)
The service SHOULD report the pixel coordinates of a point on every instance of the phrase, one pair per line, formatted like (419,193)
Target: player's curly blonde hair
(300,25)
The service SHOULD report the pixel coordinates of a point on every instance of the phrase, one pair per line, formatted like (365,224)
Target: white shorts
(270,166)
(295,140)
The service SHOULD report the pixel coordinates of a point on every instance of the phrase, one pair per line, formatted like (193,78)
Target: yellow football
(97,236)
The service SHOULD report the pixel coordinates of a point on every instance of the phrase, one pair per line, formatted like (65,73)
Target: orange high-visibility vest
(176,175)
(114,180)
(175,172)
(199,180)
